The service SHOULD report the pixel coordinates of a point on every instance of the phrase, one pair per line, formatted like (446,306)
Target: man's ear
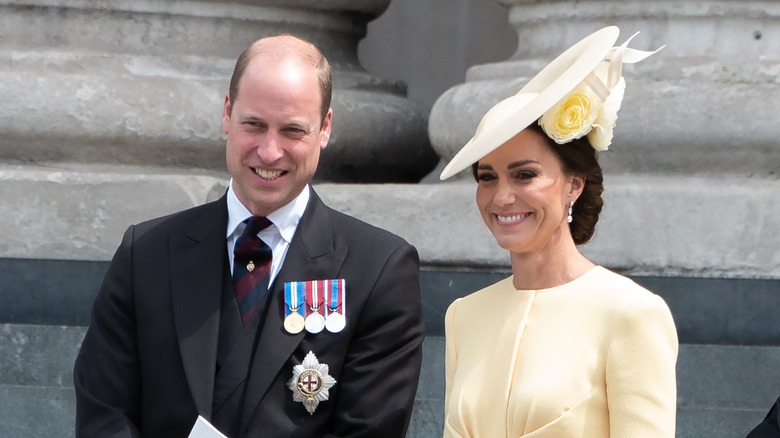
(226,114)
(325,130)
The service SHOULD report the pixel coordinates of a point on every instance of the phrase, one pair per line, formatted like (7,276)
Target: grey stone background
(700,231)
(430,44)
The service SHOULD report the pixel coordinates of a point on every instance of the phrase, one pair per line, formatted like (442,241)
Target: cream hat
(577,94)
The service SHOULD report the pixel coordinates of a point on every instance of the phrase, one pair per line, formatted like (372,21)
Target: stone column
(706,105)
(699,118)
(142,83)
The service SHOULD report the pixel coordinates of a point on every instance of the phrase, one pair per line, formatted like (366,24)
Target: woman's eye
(485,177)
(525,175)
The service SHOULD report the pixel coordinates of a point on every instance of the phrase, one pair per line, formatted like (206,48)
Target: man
(770,426)
(169,339)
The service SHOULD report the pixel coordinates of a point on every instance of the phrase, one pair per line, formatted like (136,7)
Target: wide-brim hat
(510,116)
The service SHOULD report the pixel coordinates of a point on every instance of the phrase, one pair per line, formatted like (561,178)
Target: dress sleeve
(451,353)
(450,363)
(640,371)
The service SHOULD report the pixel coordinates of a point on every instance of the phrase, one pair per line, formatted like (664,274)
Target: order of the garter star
(311,382)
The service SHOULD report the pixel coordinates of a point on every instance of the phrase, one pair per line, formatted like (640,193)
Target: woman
(563,347)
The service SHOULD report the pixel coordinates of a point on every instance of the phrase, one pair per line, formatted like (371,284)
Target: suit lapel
(197,267)
(311,256)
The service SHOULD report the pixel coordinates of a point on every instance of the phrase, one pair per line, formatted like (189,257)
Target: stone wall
(104,126)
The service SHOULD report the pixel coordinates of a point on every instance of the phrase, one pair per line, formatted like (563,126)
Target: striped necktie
(251,267)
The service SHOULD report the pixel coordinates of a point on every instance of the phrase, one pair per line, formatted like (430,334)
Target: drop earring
(569,218)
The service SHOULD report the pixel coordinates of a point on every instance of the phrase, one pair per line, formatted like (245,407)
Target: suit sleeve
(640,372)
(106,373)
(378,381)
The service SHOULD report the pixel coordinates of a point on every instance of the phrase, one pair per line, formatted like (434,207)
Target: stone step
(36,411)
(654,225)
(38,355)
(717,422)
(706,310)
(728,376)
(723,390)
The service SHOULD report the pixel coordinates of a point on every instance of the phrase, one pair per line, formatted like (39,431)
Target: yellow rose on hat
(573,116)
(587,111)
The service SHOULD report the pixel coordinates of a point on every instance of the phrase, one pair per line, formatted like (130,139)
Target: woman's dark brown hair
(577,158)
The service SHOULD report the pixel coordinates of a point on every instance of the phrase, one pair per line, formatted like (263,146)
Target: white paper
(204,429)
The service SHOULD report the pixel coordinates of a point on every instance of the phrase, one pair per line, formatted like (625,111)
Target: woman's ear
(577,186)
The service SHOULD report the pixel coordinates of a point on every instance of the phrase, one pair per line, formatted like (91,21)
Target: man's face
(274,132)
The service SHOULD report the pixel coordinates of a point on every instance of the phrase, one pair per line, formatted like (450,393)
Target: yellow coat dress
(591,358)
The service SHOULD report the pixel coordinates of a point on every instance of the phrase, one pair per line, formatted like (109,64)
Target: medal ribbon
(293,298)
(314,297)
(335,296)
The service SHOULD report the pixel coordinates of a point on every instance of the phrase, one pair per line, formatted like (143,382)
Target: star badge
(310,382)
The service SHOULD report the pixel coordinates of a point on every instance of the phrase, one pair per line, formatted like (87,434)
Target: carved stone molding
(142,83)
(707,103)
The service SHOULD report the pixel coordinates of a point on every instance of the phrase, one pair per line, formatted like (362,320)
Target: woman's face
(523,194)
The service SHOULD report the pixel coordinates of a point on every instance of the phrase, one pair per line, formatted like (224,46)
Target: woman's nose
(504,195)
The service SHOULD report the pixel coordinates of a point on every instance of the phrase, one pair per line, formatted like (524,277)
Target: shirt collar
(285,219)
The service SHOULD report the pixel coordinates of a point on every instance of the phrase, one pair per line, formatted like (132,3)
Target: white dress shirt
(277,236)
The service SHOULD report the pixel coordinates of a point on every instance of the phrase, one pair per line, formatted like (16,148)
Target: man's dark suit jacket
(770,427)
(146,367)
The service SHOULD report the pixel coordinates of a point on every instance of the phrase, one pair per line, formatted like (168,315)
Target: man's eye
(295,132)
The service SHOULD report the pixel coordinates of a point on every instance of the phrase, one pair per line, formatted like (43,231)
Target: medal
(335,305)
(311,382)
(315,321)
(335,322)
(293,306)
(294,323)
(315,305)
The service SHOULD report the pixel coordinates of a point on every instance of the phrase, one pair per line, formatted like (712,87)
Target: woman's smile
(511,219)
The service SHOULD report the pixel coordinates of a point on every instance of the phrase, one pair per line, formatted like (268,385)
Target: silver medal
(315,322)
(335,322)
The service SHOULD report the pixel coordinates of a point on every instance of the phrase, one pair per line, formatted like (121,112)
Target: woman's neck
(557,263)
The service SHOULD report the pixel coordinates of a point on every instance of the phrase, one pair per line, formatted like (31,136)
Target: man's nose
(269,149)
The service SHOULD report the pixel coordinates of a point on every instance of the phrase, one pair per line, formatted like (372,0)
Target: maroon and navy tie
(251,267)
